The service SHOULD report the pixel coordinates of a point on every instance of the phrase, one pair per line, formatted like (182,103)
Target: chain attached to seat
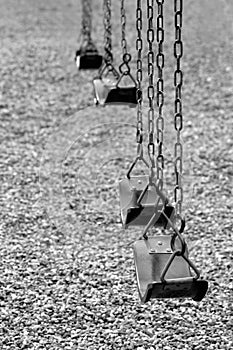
(108,56)
(178,116)
(150,88)
(126,56)
(87,57)
(160,91)
(139,47)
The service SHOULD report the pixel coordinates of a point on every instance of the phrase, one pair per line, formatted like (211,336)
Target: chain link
(160,91)
(178,116)
(107,32)
(139,46)
(150,89)
(86,20)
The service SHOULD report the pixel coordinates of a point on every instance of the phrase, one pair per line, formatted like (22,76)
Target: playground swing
(108,86)
(163,268)
(140,195)
(140,200)
(87,57)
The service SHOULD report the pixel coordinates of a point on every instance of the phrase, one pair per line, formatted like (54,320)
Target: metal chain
(150,89)
(178,117)
(160,91)
(123,25)
(107,32)
(86,20)
(139,46)
(126,57)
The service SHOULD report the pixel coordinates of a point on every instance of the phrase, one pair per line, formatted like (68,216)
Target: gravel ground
(67,274)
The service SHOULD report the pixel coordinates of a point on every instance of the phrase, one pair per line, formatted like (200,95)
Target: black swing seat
(88,59)
(151,257)
(108,92)
(133,214)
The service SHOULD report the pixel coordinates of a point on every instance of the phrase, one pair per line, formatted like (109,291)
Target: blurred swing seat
(109,91)
(139,214)
(162,274)
(88,58)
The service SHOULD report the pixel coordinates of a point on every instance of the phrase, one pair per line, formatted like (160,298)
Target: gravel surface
(67,277)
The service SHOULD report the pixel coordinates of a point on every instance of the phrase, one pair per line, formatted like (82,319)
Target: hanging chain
(178,117)
(123,25)
(139,46)
(150,89)
(107,32)
(126,57)
(160,91)
(86,20)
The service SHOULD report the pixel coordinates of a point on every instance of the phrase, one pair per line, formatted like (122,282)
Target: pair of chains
(151,88)
(178,81)
(124,68)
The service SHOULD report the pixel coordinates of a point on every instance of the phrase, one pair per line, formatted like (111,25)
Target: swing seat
(134,214)
(88,59)
(151,257)
(108,92)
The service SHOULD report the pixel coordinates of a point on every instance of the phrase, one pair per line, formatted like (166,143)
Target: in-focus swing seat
(161,273)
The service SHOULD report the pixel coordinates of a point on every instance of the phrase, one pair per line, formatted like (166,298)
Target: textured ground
(66,273)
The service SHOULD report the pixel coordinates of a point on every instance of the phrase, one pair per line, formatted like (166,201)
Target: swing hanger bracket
(139,157)
(169,263)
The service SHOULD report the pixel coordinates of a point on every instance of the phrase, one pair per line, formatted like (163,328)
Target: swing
(87,57)
(165,272)
(163,268)
(112,91)
(138,199)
